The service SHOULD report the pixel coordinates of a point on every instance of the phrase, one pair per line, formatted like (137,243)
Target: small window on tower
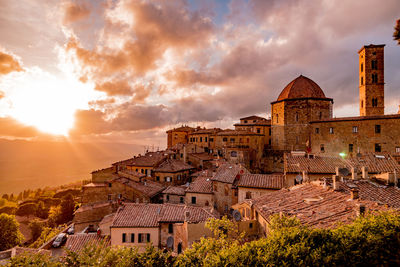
(377,128)
(297,116)
(317,130)
(362,80)
(378,148)
(362,103)
(355,129)
(331,130)
(362,67)
(350,147)
(322,148)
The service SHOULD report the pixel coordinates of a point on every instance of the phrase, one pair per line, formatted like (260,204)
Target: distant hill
(34,164)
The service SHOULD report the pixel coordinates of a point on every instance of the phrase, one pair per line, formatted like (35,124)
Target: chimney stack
(364,171)
(335,180)
(337,171)
(187,215)
(305,177)
(354,193)
(353,173)
(360,209)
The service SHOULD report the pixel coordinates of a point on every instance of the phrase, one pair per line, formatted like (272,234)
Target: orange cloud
(74,11)
(119,87)
(11,128)
(8,63)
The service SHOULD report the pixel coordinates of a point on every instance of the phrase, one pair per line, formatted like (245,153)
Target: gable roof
(202,184)
(262,181)
(79,241)
(227,172)
(175,190)
(317,164)
(173,165)
(374,163)
(150,159)
(151,215)
(148,188)
(312,205)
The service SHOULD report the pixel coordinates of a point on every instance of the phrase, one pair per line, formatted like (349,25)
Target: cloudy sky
(127,70)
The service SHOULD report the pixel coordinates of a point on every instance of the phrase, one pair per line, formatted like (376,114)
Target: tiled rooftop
(374,163)
(78,241)
(264,181)
(173,165)
(150,215)
(148,188)
(202,156)
(150,159)
(236,132)
(183,128)
(128,173)
(94,185)
(227,172)
(175,190)
(312,205)
(202,184)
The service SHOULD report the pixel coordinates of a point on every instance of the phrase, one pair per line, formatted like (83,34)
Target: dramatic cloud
(8,63)
(75,11)
(9,127)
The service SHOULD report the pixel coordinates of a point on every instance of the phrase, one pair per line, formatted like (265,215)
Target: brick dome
(301,87)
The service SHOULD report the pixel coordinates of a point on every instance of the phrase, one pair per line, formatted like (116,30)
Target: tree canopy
(10,235)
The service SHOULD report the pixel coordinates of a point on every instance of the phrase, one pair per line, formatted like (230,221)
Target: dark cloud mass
(74,11)
(204,69)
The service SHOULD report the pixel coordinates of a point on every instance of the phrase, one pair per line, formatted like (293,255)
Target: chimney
(187,215)
(360,209)
(396,179)
(353,173)
(364,171)
(337,171)
(354,193)
(305,177)
(335,180)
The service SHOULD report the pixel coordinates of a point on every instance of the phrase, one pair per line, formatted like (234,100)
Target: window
(377,128)
(170,228)
(251,225)
(167,197)
(350,147)
(378,148)
(123,237)
(248,140)
(362,103)
(258,130)
(320,115)
(181,200)
(362,80)
(362,67)
(322,148)
(248,195)
(167,179)
(317,130)
(397,149)
(245,121)
(233,154)
(297,139)
(374,64)
(193,200)
(269,130)
(374,102)
(211,139)
(132,238)
(374,78)
(140,238)
(145,171)
(215,188)
(225,139)
(331,130)
(109,197)
(109,185)
(226,208)
(205,139)
(201,139)
(355,129)
(254,120)
(297,117)
(179,177)
(206,203)
(232,140)
(277,118)
(158,178)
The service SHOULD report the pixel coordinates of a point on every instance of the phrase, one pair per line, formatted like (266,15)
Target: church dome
(301,87)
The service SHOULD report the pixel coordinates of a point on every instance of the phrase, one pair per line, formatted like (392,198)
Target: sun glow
(42,100)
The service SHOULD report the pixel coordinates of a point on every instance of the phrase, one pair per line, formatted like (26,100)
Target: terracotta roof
(374,163)
(202,184)
(317,164)
(175,190)
(202,156)
(207,172)
(254,117)
(259,123)
(206,131)
(237,132)
(360,118)
(173,165)
(227,172)
(96,205)
(301,87)
(100,170)
(312,205)
(148,188)
(265,181)
(78,241)
(150,215)
(128,173)
(182,129)
(150,159)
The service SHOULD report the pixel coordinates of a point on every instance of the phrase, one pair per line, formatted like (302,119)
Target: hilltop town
(301,162)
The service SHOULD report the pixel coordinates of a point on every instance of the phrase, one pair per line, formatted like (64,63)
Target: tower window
(277,118)
(350,147)
(374,102)
(297,117)
(322,148)
(377,128)
(355,129)
(397,149)
(320,115)
(317,130)
(374,64)
(374,78)
(362,67)
(362,80)
(362,103)
(378,148)
(331,130)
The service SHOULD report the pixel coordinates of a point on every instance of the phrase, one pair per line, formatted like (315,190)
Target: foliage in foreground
(10,235)
(370,240)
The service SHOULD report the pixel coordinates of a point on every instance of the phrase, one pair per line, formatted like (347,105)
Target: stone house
(144,164)
(178,135)
(200,192)
(171,226)
(172,172)
(256,124)
(204,138)
(254,185)
(144,191)
(174,194)
(91,215)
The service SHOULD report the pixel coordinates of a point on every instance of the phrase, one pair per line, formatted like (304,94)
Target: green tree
(27,209)
(10,235)
(36,228)
(27,259)
(42,211)
(396,34)
(67,208)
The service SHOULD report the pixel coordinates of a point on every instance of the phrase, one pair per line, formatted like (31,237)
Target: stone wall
(201,199)
(103,175)
(224,197)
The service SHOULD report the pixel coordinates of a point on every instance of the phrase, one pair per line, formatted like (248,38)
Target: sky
(127,70)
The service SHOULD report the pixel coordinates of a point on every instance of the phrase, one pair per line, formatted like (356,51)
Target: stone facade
(178,135)
(225,196)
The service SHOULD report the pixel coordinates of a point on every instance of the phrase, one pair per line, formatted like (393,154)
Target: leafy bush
(10,235)
(26,209)
(8,210)
(46,234)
